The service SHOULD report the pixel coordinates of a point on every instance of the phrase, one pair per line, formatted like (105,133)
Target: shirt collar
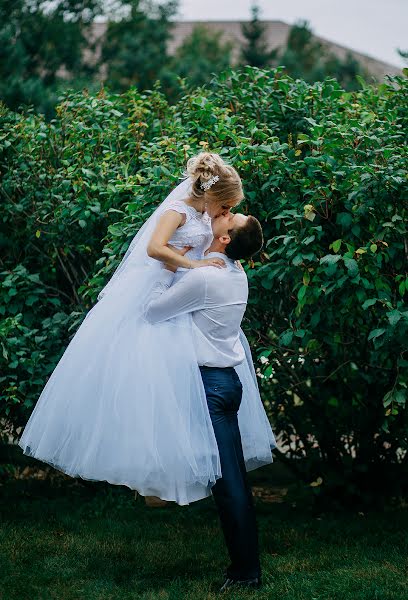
(224,257)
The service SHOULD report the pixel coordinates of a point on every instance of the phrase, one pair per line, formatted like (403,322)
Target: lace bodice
(195,232)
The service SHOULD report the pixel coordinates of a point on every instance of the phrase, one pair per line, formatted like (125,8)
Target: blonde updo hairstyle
(205,165)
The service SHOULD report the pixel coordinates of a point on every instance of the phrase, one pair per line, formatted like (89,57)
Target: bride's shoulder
(189,212)
(179,206)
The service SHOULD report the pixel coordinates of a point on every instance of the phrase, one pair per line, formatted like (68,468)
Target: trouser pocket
(224,393)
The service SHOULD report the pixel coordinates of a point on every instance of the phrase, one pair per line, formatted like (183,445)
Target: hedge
(325,171)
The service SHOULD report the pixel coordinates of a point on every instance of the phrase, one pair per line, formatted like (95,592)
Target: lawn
(67,539)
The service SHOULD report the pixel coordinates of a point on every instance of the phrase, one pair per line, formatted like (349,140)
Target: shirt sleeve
(167,301)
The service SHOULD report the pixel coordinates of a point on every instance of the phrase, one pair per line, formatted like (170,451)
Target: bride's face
(215,210)
(222,226)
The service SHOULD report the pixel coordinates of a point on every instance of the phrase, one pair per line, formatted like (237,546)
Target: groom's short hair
(246,240)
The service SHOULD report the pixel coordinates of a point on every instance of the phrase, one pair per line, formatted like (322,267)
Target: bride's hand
(180,251)
(208,262)
(195,264)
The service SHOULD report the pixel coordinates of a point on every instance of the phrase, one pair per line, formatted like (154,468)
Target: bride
(125,403)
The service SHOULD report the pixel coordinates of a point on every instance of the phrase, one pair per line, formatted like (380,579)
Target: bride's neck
(197,204)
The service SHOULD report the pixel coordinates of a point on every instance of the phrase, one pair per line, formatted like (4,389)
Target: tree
(307,58)
(345,71)
(42,48)
(403,54)
(135,46)
(303,54)
(202,53)
(255,50)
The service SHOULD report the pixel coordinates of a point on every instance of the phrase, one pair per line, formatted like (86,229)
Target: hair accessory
(207,184)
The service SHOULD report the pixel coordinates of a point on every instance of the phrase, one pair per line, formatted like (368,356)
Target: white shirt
(217,299)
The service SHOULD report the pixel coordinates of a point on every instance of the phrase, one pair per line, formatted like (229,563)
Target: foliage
(38,41)
(48,47)
(255,50)
(202,54)
(62,183)
(403,54)
(305,57)
(135,46)
(325,172)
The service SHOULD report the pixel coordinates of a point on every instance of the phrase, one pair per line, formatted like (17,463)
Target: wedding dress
(126,403)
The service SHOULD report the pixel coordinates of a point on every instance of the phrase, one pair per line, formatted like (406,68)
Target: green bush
(325,172)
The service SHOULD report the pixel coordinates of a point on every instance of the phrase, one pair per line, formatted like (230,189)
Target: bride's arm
(157,247)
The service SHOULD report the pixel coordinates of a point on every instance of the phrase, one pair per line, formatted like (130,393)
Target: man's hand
(180,251)
(239,265)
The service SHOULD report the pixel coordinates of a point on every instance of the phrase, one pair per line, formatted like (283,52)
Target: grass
(66,539)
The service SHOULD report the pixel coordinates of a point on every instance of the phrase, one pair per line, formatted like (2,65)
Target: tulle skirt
(126,405)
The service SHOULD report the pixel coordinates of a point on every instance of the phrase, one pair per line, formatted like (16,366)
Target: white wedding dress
(126,403)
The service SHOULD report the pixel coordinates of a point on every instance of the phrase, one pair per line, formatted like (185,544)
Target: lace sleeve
(180,207)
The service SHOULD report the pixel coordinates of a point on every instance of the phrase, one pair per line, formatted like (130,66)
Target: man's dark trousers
(232,493)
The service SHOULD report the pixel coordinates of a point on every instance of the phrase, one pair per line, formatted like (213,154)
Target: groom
(217,299)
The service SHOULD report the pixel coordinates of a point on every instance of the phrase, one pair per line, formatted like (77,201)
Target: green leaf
(333,401)
(297,260)
(267,283)
(400,397)
(375,333)
(269,371)
(351,266)
(31,299)
(315,319)
(387,399)
(393,316)
(368,303)
(301,293)
(308,240)
(286,338)
(265,353)
(344,219)
(306,278)
(330,259)
(336,245)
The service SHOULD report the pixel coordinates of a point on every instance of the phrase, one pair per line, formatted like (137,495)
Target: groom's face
(224,224)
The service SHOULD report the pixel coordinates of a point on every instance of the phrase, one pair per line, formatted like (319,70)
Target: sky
(375,27)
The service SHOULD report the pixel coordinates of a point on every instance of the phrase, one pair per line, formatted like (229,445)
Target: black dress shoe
(227,574)
(252,583)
